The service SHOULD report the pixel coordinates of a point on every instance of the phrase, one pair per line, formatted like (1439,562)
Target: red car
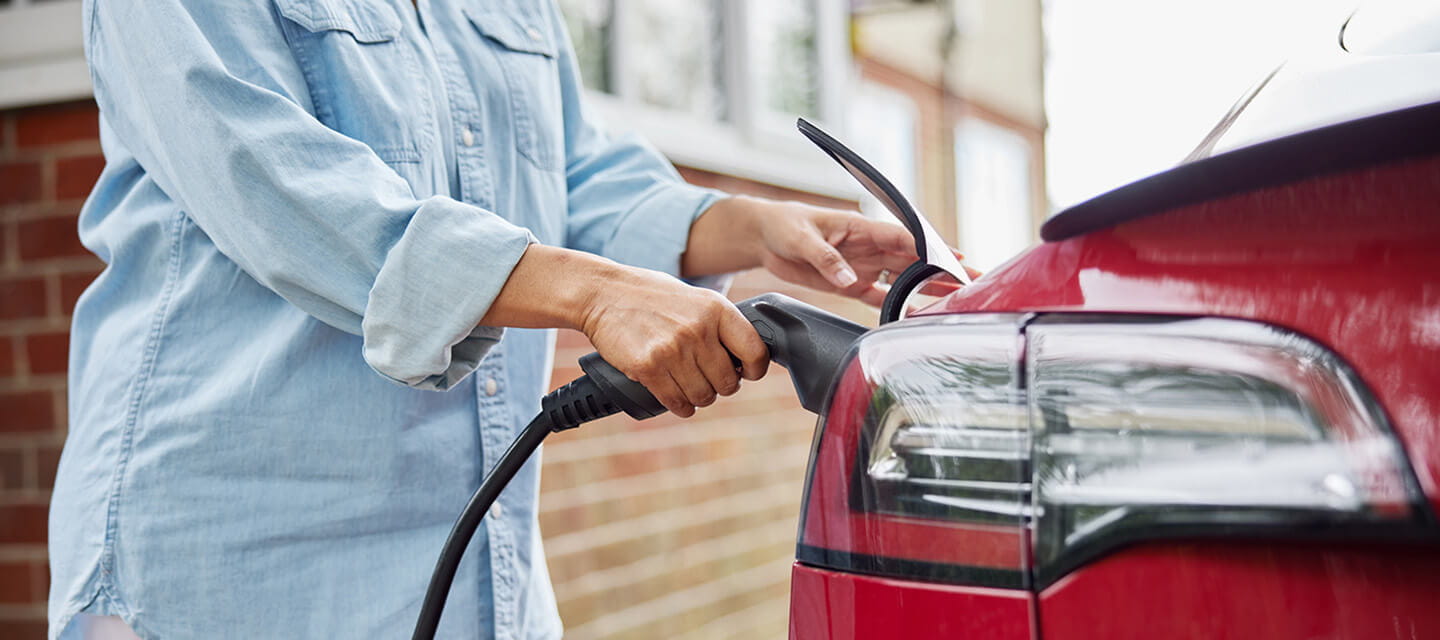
(1207,406)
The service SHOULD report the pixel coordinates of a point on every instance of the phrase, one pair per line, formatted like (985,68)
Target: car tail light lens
(922,466)
(1001,449)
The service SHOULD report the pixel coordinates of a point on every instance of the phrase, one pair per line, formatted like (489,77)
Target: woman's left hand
(825,249)
(832,250)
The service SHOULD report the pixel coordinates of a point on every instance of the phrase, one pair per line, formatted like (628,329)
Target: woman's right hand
(669,336)
(673,338)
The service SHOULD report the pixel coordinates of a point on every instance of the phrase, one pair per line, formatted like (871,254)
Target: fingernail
(846,277)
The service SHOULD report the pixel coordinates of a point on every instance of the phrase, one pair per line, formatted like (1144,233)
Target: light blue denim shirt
(307,206)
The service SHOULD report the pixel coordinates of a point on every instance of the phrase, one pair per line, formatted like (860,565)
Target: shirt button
(533,33)
(497,510)
(491,387)
(467,137)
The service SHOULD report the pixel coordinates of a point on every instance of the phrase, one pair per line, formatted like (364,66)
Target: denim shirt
(279,397)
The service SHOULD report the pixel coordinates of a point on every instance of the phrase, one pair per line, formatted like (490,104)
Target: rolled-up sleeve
(210,104)
(626,200)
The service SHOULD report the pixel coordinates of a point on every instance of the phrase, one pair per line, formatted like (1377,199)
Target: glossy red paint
(1249,590)
(828,605)
(1351,260)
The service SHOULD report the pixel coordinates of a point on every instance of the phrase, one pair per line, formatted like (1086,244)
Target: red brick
(47,460)
(74,177)
(57,124)
(27,411)
(7,357)
(23,629)
(22,523)
(19,182)
(49,238)
(12,468)
(22,298)
(71,286)
(47,352)
(17,582)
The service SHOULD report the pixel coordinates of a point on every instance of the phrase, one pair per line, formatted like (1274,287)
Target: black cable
(576,403)
(469,520)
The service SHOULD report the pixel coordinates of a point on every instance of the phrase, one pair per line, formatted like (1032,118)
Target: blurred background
(988,114)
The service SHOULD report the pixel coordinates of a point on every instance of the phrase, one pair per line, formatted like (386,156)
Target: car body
(1207,406)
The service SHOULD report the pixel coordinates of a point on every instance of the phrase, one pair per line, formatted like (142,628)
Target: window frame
(42,53)
(965,132)
(753,143)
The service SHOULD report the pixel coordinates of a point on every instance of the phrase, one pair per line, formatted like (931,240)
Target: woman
(317,217)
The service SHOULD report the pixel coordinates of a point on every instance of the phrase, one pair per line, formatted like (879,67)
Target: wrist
(551,287)
(727,237)
(588,282)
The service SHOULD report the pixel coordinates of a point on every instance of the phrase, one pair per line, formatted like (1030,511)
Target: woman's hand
(669,336)
(824,249)
(673,338)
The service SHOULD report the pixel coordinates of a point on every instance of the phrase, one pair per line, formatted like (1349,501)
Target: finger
(892,238)
(872,295)
(741,340)
(693,384)
(897,263)
(714,361)
(665,390)
(827,261)
(973,273)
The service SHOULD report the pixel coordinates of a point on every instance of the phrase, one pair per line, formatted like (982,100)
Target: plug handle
(809,342)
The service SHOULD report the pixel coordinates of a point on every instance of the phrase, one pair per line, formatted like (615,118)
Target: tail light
(1002,449)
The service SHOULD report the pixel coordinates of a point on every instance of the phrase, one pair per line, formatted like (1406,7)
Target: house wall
(939,112)
(666,528)
(49,157)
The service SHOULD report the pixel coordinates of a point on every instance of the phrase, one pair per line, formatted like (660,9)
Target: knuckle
(658,354)
(729,386)
(688,332)
(828,255)
(647,369)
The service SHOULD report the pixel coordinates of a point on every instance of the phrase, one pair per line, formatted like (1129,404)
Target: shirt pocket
(525,50)
(364,80)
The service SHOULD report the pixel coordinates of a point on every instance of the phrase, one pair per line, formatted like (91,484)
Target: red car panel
(829,605)
(1249,590)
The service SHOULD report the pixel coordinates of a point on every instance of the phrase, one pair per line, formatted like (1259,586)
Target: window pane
(589,22)
(785,53)
(993,184)
(886,122)
(676,55)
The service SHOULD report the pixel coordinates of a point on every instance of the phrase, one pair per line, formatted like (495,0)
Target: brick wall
(654,529)
(49,157)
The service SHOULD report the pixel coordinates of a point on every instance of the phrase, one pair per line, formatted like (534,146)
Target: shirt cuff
(654,233)
(420,326)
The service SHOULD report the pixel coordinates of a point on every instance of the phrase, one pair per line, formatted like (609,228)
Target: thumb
(828,261)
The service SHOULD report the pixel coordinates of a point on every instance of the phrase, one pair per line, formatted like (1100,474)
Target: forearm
(725,239)
(550,288)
